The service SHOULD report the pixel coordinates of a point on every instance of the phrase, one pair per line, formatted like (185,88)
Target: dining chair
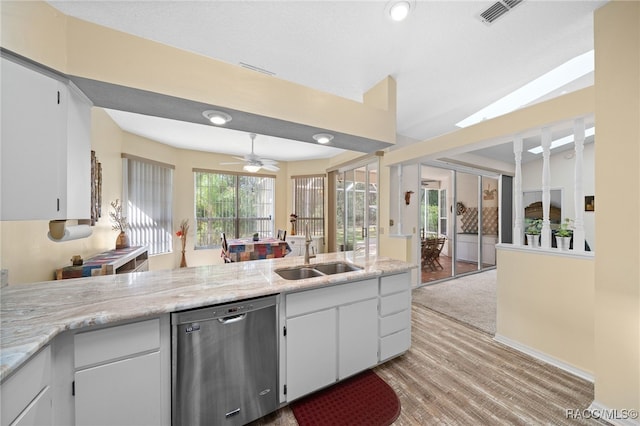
(282,234)
(225,249)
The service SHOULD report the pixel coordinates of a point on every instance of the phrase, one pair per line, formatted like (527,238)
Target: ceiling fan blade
(227,163)
(270,167)
(239,158)
(268,161)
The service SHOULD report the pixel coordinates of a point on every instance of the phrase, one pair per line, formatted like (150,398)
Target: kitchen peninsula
(60,333)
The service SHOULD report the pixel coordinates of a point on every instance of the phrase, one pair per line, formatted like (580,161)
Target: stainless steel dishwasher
(224,363)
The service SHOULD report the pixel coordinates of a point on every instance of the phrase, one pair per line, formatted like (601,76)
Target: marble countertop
(31,315)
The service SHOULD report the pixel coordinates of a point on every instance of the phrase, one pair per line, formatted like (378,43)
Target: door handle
(231,320)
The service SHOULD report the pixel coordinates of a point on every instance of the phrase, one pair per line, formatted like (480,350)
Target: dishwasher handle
(232,319)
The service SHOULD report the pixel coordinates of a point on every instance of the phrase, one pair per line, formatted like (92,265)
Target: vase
(533,240)
(293,228)
(183,260)
(122,241)
(563,243)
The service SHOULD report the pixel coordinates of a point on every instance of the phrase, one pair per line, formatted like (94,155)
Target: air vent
(498,9)
(255,68)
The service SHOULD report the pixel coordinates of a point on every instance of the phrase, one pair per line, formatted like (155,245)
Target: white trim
(600,408)
(550,251)
(544,357)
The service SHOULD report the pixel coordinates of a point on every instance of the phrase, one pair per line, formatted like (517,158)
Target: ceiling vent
(498,9)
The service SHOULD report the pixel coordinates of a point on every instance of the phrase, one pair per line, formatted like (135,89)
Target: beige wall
(25,249)
(617,268)
(87,50)
(550,308)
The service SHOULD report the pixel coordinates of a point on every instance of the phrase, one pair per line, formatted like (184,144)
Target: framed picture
(589,203)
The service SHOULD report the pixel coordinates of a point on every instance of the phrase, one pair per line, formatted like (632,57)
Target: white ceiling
(447,63)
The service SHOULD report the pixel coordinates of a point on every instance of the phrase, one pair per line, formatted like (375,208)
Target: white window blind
(308,203)
(148,199)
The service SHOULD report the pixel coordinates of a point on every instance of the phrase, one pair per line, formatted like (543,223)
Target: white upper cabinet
(45,147)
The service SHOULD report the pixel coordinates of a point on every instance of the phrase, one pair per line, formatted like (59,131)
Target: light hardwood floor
(456,375)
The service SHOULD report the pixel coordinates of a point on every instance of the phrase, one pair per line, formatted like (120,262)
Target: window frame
(213,237)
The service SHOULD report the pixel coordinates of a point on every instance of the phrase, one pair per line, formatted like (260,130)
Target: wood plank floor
(458,375)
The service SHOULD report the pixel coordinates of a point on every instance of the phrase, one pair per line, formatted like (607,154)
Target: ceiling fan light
(250,168)
(399,10)
(323,138)
(218,118)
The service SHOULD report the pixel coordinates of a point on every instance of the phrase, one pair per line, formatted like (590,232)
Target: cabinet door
(357,337)
(33,122)
(38,413)
(311,352)
(125,392)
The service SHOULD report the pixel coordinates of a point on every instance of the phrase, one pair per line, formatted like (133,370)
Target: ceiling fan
(253,163)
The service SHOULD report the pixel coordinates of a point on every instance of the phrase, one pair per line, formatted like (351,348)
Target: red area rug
(364,399)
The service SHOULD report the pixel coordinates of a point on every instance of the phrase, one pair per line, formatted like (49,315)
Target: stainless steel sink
(318,270)
(298,273)
(336,268)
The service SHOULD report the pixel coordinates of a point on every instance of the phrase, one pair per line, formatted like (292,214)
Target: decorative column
(578,224)
(545,235)
(518,227)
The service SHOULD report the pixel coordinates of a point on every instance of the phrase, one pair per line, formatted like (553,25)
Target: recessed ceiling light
(553,80)
(398,10)
(323,138)
(218,118)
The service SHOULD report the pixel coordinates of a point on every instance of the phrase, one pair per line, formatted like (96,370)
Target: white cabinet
(26,395)
(467,248)
(332,333)
(394,315)
(357,337)
(45,147)
(120,376)
(311,352)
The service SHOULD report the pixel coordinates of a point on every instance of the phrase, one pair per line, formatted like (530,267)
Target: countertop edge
(14,355)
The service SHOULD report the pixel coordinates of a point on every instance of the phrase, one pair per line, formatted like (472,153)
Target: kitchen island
(35,315)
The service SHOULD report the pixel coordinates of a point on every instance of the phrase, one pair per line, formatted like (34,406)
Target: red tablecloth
(242,249)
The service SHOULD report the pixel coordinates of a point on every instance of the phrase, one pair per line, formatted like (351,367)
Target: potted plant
(534,226)
(119,224)
(564,234)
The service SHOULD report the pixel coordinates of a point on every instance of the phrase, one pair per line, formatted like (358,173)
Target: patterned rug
(364,399)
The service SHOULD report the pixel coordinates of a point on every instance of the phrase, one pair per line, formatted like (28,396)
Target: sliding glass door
(357,209)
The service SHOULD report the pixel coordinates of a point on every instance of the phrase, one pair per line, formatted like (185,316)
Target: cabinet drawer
(395,322)
(395,344)
(22,387)
(394,283)
(93,347)
(327,297)
(395,303)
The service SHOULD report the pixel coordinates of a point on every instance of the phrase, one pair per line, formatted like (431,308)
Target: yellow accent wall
(550,308)
(25,249)
(617,267)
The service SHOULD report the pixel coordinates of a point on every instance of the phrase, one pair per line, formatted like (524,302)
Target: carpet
(364,399)
(470,299)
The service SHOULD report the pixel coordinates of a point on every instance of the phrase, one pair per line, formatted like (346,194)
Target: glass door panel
(489,236)
(349,210)
(467,242)
(435,222)
(371,216)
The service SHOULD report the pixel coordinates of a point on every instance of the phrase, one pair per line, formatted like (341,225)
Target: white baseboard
(608,414)
(544,357)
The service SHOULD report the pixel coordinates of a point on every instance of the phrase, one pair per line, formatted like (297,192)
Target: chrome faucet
(307,243)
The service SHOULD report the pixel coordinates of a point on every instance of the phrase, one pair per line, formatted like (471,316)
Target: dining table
(243,249)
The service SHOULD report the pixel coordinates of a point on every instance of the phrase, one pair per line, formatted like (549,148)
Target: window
(148,200)
(308,203)
(238,205)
